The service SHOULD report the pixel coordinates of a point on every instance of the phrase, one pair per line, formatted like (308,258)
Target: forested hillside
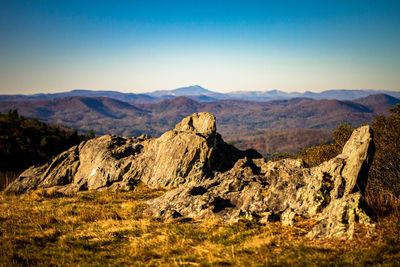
(273,126)
(25,142)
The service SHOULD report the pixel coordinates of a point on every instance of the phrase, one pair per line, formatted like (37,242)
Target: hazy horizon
(143,46)
(54,91)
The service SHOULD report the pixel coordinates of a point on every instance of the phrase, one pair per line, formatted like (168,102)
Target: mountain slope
(138,98)
(378,103)
(101,114)
(243,122)
(189,91)
(201,94)
(107,115)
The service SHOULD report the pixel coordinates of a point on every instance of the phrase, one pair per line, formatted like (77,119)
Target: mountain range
(285,125)
(201,94)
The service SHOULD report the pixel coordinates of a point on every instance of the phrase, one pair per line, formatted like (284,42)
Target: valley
(267,126)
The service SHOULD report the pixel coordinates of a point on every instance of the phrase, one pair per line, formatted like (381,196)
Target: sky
(141,46)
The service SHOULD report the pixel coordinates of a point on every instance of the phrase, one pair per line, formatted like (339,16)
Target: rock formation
(214,179)
(280,191)
(190,153)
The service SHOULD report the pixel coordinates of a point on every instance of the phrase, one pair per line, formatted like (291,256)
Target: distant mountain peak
(189,91)
(201,94)
(192,88)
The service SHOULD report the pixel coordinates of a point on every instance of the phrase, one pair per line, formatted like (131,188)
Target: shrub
(385,168)
(315,155)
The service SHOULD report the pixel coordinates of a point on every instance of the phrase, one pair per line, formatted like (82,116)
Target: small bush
(385,169)
(315,155)
(383,203)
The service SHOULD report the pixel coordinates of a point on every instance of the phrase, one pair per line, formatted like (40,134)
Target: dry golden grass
(383,203)
(107,228)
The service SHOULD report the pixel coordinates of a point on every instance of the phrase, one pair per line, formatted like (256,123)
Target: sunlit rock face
(213,179)
(281,191)
(191,153)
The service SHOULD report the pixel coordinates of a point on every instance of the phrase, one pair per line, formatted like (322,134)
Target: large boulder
(200,123)
(93,165)
(180,156)
(191,153)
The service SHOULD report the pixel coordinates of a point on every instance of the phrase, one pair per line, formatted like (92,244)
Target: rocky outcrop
(281,191)
(93,165)
(213,179)
(190,153)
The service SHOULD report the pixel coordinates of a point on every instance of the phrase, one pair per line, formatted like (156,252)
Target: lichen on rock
(280,191)
(214,179)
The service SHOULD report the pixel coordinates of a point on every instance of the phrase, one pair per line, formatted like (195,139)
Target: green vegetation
(109,228)
(25,142)
(315,155)
(385,169)
(383,187)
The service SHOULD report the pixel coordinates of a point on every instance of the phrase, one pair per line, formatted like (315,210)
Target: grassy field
(108,228)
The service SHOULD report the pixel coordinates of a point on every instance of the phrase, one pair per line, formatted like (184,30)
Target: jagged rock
(93,165)
(190,153)
(214,179)
(280,191)
(179,156)
(202,123)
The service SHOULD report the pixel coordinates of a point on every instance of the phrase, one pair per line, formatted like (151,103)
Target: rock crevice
(214,179)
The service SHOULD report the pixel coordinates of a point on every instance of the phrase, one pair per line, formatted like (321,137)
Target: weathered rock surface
(214,179)
(280,191)
(93,165)
(190,153)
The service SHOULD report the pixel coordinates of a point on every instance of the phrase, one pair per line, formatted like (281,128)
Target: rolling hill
(238,120)
(200,94)
(138,98)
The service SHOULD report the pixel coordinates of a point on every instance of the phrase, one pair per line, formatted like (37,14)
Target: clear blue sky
(139,46)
